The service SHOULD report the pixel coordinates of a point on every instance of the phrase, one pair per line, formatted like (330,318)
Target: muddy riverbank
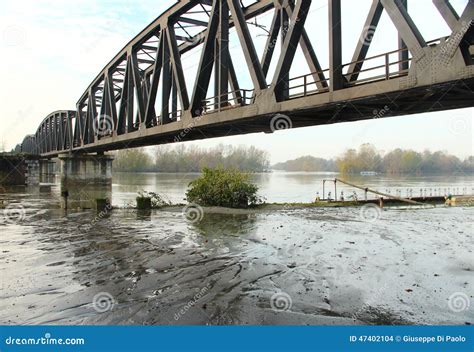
(284,266)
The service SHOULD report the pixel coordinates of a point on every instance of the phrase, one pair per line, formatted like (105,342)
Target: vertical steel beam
(285,78)
(166,86)
(335,45)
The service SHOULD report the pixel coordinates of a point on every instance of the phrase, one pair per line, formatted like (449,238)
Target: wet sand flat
(287,266)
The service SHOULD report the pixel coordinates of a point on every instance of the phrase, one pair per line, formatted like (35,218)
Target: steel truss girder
(124,95)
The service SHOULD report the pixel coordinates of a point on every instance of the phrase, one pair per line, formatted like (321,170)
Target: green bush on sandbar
(224,188)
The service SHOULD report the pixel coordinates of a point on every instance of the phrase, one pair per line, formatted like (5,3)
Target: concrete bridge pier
(47,170)
(86,180)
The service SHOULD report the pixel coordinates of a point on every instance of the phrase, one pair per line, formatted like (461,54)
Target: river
(287,266)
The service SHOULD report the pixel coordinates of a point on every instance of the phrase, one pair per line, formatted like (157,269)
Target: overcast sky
(51,50)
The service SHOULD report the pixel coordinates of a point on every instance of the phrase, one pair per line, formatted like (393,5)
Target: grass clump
(225,188)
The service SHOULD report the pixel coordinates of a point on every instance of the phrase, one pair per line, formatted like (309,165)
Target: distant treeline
(191,159)
(307,163)
(368,158)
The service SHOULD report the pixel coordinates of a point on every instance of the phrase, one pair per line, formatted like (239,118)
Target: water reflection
(293,186)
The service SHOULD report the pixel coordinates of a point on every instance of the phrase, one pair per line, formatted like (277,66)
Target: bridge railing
(381,67)
(172,116)
(230,100)
(305,85)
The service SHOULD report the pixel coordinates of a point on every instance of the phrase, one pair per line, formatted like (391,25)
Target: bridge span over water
(145,95)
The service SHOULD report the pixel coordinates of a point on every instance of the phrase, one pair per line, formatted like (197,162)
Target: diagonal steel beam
(289,47)
(253,63)
(365,40)
(271,42)
(137,82)
(150,106)
(178,72)
(405,26)
(201,84)
(448,12)
(310,55)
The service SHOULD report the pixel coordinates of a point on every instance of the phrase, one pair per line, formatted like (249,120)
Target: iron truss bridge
(147,95)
